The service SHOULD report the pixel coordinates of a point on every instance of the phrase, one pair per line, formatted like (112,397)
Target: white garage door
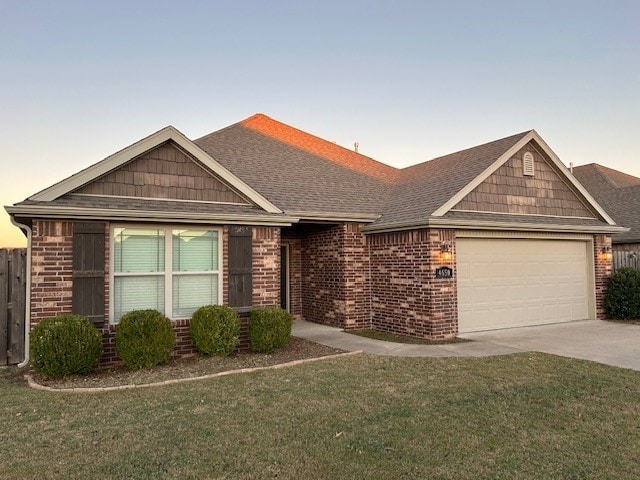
(510,283)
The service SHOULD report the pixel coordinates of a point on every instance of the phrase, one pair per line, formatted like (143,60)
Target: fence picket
(622,259)
(12,305)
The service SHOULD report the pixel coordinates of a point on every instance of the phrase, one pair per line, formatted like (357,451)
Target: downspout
(27,302)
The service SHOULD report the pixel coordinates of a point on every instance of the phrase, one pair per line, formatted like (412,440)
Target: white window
(173,270)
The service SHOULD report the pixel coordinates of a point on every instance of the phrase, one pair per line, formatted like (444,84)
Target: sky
(408,80)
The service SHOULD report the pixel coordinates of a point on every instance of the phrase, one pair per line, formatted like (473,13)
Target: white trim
(532,135)
(521,214)
(168,259)
(335,216)
(123,156)
(156,199)
(51,211)
(486,225)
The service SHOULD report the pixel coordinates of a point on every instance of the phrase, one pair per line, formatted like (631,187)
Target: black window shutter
(240,266)
(88,270)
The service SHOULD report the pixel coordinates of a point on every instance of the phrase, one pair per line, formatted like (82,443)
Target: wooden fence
(625,259)
(12,305)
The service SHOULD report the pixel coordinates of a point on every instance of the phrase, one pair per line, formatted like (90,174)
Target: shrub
(144,338)
(622,301)
(269,329)
(214,329)
(64,345)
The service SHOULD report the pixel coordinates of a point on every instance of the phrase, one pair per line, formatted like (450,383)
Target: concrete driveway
(610,343)
(605,342)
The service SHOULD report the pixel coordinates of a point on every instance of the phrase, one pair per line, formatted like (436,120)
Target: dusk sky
(408,80)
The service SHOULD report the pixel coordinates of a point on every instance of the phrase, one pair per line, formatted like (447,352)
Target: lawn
(522,416)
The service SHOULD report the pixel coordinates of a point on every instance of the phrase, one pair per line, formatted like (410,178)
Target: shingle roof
(619,195)
(423,188)
(299,172)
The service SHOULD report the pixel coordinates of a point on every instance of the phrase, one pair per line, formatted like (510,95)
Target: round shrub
(269,329)
(215,329)
(64,345)
(144,338)
(622,301)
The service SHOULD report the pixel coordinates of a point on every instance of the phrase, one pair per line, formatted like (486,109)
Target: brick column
(266,266)
(603,268)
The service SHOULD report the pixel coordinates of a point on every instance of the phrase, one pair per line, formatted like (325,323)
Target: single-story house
(619,194)
(261,213)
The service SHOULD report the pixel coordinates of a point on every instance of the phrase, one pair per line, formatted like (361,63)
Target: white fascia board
(123,156)
(532,135)
(335,216)
(484,225)
(75,213)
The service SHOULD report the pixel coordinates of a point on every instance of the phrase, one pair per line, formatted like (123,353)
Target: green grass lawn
(525,416)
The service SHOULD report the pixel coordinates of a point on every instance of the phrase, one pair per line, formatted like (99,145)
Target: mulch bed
(197,366)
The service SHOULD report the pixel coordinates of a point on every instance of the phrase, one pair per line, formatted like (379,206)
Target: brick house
(261,213)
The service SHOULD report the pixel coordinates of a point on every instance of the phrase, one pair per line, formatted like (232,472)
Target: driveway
(605,342)
(610,343)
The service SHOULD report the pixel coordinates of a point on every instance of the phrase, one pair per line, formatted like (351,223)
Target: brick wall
(294,241)
(335,269)
(266,266)
(51,269)
(52,280)
(603,269)
(407,298)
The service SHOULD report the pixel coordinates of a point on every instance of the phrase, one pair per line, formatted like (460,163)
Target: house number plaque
(444,272)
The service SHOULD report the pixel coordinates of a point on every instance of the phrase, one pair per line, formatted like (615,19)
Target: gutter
(27,302)
(482,225)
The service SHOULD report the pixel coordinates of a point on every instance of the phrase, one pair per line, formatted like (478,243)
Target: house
(261,213)
(619,194)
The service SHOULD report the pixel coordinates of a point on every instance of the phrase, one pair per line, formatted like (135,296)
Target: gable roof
(127,154)
(618,193)
(291,173)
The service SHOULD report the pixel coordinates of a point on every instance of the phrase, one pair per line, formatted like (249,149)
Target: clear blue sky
(409,80)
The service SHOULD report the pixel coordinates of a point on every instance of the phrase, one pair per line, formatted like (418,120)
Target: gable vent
(527,164)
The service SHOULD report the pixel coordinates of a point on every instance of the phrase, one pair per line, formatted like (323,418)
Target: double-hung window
(173,270)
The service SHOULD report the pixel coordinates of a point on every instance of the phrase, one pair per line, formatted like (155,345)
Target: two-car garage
(514,282)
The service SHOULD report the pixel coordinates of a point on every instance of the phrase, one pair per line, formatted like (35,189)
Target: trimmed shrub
(269,329)
(64,345)
(622,301)
(215,329)
(144,338)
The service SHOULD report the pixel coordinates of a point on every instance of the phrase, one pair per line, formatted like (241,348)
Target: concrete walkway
(605,342)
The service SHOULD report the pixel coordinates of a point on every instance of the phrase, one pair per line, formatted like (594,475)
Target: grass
(525,416)
(392,337)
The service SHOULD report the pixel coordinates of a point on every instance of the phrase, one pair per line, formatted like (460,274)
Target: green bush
(269,329)
(144,338)
(64,345)
(622,301)
(215,329)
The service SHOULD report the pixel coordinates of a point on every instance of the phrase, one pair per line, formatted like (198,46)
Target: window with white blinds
(173,270)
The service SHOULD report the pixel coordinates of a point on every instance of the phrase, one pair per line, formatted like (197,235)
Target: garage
(504,283)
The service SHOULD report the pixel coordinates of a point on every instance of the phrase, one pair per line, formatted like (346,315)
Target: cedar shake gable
(618,193)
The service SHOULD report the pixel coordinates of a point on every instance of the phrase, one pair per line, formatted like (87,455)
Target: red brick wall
(51,269)
(407,299)
(266,266)
(335,269)
(52,280)
(603,269)
(294,241)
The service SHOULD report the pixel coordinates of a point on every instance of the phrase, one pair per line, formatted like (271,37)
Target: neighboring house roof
(286,174)
(618,193)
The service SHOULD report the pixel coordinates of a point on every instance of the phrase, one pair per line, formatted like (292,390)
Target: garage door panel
(507,283)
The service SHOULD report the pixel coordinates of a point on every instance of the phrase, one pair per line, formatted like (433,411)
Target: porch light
(445,251)
(606,253)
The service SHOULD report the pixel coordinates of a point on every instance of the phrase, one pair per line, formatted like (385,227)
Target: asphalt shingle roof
(619,195)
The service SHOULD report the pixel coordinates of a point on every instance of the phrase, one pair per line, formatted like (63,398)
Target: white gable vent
(527,164)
